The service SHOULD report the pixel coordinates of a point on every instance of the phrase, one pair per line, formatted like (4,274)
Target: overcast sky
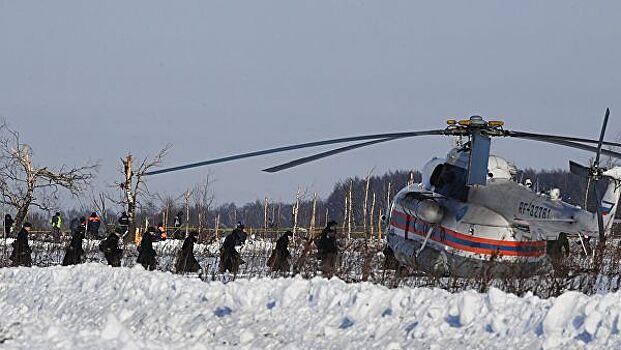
(95,80)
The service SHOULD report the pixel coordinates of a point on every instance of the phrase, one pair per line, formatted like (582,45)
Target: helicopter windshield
(450,181)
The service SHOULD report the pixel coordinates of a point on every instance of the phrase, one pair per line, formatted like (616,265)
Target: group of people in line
(230,256)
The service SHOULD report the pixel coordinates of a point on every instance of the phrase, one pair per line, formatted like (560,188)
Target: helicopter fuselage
(448,228)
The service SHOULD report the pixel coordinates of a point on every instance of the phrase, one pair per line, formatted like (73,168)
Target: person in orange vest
(92,228)
(162,231)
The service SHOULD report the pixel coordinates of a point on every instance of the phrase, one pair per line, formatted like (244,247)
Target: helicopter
(469,215)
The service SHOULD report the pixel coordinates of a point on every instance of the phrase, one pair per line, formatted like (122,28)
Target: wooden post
(311,227)
(327,216)
(186,197)
(217,226)
(371,217)
(296,209)
(366,204)
(265,205)
(349,211)
(345,213)
(130,195)
(379,226)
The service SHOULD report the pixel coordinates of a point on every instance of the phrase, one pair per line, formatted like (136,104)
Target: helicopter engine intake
(427,210)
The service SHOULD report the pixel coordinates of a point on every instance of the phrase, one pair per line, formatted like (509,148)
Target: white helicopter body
(452,228)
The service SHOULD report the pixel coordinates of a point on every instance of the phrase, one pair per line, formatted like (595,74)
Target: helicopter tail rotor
(593,174)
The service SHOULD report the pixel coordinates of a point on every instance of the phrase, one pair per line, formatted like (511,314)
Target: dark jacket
(326,243)
(74,251)
(21,250)
(186,262)
(146,253)
(229,257)
(279,260)
(111,250)
(93,225)
(236,238)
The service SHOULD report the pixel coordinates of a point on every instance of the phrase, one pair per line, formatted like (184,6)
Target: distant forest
(280,215)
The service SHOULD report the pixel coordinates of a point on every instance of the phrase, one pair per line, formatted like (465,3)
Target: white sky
(94,80)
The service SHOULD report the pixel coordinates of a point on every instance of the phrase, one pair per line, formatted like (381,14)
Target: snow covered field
(92,306)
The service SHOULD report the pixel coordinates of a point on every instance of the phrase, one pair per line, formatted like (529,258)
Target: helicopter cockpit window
(450,181)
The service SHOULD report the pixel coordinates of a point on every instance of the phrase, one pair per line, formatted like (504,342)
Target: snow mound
(92,306)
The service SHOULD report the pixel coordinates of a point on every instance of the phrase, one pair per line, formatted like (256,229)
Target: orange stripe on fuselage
(538,245)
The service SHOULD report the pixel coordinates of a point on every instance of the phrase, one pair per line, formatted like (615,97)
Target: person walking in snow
(279,260)
(93,225)
(74,251)
(57,221)
(146,253)
(327,248)
(20,256)
(123,224)
(230,259)
(186,262)
(110,247)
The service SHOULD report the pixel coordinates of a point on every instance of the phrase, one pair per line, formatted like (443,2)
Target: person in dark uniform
(74,251)
(112,251)
(8,224)
(93,225)
(557,250)
(20,256)
(123,224)
(327,248)
(279,260)
(146,253)
(230,259)
(186,262)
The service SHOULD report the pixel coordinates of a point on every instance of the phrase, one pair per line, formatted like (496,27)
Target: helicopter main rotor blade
(299,146)
(318,156)
(522,134)
(571,144)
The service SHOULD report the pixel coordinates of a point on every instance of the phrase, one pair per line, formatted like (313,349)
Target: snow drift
(92,306)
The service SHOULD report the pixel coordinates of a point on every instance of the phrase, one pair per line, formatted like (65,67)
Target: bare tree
(203,198)
(24,184)
(134,186)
